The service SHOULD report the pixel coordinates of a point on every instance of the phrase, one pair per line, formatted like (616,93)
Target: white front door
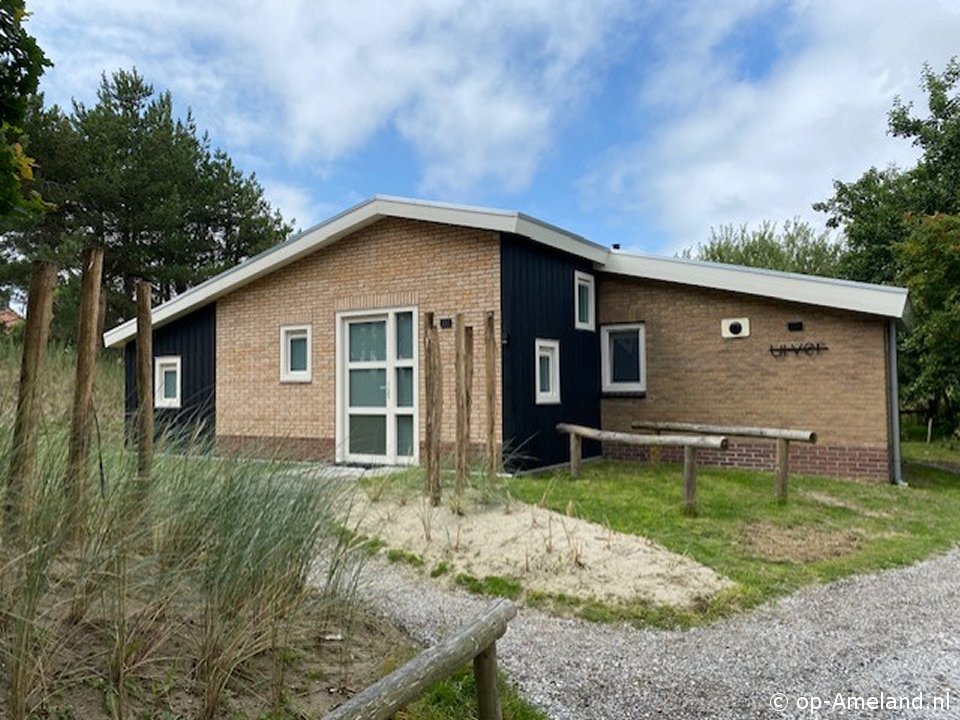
(377,387)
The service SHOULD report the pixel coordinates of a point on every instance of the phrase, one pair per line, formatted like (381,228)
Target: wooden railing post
(490,378)
(144,383)
(36,332)
(783,468)
(88,345)
(485,674)
(460,390)
(576,453)
(689,480)
(474,641)
(433,385)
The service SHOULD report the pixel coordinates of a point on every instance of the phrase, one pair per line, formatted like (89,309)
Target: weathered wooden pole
(43,280)
(144,382)
(433,384)
(576,453)
(468,381)
(490,380)
(689,480)
(655,454)
(460,388)
(88,345)
(783,468)
(485,674)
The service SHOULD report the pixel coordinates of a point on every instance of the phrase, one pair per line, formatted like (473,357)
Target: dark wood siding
(192,337)
(537,301)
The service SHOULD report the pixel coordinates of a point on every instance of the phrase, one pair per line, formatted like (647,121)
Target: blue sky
(640,123)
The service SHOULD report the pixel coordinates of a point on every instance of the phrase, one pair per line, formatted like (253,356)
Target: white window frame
(584,279)
(343,365)
(551,348)
(161,364)
(605,359)
(287,333)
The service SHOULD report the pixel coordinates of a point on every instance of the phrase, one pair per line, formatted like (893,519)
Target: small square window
(623,358)
(166,381)
(547,371)
(584,304)
(295,353)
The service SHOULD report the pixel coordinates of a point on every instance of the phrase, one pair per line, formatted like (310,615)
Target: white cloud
(475,88)
(735,149)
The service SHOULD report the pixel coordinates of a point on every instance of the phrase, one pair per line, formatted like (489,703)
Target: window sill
(295,381)
(614,394)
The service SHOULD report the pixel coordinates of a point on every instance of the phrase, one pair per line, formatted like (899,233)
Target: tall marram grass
(212,568)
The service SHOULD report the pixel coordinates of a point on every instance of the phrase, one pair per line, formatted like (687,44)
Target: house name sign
(808,348)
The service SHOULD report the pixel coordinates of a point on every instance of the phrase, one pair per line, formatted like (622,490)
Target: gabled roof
(858,297)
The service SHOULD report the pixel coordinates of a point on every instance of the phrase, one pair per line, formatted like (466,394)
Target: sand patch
(544,550)
(800,545)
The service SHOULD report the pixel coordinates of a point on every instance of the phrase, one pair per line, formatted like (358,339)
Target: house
(9,319)
(313,348)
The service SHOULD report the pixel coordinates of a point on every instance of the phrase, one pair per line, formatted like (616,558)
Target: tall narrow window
(295,353)
(547,371)
(623,358)
(166,381)
(584,292)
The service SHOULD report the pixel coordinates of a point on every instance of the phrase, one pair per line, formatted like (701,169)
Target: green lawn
(828,529)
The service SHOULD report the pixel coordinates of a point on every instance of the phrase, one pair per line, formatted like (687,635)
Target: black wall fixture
(795,325)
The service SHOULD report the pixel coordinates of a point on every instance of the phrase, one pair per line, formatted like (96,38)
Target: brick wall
(391,263)
(694,375)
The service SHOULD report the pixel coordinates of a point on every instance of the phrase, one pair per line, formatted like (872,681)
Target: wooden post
(88,345)
(468,381)
(144,382)
(689,480)
(36,332)
(655,454)
(485,674)
(460,385)
(490,379)
(433,385)
(783,468)
(576,453)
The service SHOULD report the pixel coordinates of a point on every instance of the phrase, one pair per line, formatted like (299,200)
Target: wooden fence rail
(783,436)
(689,443)
(475,641)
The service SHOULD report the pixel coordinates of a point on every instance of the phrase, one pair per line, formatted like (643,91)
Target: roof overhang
(347,222)
(883,300)
(880,300)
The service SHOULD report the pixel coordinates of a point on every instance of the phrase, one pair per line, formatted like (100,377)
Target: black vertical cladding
(193,338)
(537,301)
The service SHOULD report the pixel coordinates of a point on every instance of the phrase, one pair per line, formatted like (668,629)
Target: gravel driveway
(896,633)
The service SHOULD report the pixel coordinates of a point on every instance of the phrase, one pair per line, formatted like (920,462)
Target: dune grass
(827,530)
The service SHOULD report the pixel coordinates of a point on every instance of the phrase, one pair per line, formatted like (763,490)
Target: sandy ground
(546,551)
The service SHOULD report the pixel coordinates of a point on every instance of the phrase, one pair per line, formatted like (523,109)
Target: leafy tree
(797,248)
(901,226)
(128,175)
(22,62)
(930,266)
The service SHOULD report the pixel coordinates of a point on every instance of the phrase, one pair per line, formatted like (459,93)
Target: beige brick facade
(391,263)
(694,375)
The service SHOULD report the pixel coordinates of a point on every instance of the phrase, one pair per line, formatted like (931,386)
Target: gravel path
(896,632)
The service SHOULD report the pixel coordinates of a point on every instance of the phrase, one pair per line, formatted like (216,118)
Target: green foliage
(827,530)
(406,558)
(491,585)
(128,175)
(797,248)
(892,232)
(23,64)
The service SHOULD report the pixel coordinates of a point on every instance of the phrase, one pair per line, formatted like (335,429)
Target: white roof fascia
(808,289)
(345,223)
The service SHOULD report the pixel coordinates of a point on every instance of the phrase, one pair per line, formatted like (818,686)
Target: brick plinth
(829,460)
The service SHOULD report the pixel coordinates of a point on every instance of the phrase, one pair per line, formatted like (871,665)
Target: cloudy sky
(643,123)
